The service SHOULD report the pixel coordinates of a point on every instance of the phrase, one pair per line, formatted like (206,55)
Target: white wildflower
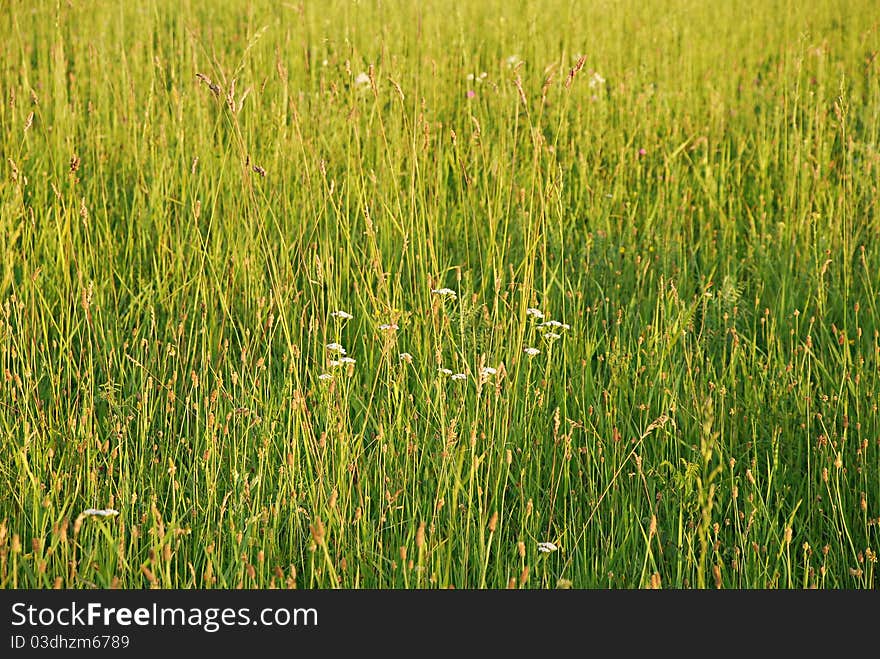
(486,371)
(547,547)
(94,512)
(513,60)
(344,315)
(552,336)
(325,376)
(386,327)
(596,80)
(555,324)
(458,376)
(444,292)
(406,357)
(343,360)
(531,352)
(535,313)
(362,79)
(445,371)
(335,347)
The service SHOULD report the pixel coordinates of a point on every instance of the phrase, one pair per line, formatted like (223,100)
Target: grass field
(675,204)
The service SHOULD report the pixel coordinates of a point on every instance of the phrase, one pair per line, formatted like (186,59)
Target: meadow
(401,294)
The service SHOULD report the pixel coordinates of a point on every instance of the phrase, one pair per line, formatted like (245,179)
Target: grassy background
(698,201)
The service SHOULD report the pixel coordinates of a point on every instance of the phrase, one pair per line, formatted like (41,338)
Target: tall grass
(191,189)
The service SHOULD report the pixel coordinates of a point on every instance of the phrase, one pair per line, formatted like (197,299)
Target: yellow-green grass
(190,189)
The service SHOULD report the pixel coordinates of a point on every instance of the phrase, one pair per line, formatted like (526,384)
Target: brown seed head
(317,530)
(574,71)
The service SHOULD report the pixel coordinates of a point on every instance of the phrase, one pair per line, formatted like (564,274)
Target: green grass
(696,199)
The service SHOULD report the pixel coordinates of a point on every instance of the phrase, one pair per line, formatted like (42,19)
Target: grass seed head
(317,530)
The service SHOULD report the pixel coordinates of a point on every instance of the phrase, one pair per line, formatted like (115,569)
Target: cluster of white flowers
(547,547)
(94,512)
(596,80)
(444,293)
(486,372)
(555,324)
(550,329)
(341,360)
(362,80)
(477,78)
(448,372)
